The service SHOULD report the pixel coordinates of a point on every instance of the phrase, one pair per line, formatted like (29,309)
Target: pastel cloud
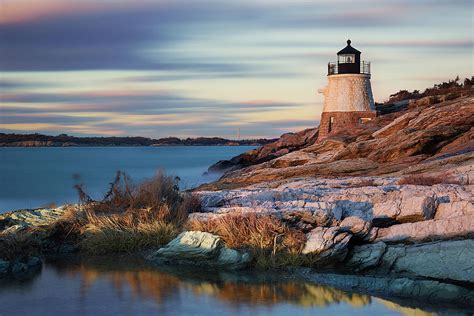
(190,68)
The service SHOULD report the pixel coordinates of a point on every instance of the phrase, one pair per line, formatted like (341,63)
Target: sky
(209,68)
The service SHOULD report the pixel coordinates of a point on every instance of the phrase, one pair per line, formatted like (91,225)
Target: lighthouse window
(347,59)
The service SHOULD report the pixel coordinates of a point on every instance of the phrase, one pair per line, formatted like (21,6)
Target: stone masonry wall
(342,121)
(348,93)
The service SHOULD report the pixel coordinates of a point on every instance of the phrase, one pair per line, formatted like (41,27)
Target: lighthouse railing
(365,67)
(333,68)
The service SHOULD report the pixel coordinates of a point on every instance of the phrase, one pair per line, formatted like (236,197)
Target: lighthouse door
(331,122)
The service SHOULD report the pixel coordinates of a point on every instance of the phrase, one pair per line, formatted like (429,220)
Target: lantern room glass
(346,59)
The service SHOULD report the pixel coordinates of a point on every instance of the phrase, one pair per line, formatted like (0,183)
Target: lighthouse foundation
(336,122)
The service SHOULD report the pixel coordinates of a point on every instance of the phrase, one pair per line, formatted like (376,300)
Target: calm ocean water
(36,177)
(117,286)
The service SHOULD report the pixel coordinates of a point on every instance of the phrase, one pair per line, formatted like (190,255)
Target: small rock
(201,249)
(327,243)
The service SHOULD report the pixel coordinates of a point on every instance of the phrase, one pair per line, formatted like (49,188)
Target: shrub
(454,87)
(272,242)
(133,217)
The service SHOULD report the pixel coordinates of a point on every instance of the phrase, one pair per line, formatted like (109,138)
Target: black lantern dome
(348,62)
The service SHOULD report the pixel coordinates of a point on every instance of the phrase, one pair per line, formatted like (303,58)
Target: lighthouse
(348,99)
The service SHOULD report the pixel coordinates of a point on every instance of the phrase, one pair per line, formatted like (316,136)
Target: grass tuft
(272,243)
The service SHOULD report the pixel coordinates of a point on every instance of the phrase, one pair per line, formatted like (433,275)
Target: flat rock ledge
(15,221)
(202,249)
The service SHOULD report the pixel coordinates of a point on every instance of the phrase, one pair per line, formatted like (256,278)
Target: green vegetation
(454,87)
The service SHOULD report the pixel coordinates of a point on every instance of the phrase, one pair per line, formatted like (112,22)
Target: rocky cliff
(285,144)
(424,138)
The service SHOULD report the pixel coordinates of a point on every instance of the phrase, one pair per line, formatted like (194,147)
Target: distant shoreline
(130,145)
(64,140)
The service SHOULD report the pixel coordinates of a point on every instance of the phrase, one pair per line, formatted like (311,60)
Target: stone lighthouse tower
(348,100)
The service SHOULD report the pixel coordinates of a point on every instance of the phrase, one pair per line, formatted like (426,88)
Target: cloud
(148,113)
(112,39)
(188,68)
(149,35)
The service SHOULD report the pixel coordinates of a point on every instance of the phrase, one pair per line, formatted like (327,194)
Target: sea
(35,177)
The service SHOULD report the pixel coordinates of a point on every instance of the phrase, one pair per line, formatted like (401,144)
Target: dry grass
(272,242)
(428,180)
(131,217)
(127,232)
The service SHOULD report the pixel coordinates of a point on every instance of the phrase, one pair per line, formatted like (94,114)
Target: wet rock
(23,268)
(446,260)
(200,249)
(443,260)
(366,256)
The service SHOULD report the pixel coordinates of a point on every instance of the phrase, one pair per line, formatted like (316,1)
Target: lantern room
(348,62)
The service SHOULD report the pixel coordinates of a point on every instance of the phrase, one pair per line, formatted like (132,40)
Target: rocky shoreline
(369,234)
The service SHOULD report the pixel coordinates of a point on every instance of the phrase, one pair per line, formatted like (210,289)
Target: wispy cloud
(188,68)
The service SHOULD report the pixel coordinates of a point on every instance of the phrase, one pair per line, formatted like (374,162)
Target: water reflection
(233,288)
(129,286)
